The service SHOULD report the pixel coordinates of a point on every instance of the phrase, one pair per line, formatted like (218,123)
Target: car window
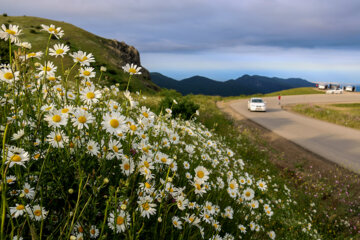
(257,101)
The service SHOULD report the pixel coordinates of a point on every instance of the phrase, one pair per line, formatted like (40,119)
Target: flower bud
(71,191)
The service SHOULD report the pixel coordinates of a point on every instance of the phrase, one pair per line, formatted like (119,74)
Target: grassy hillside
(104,50)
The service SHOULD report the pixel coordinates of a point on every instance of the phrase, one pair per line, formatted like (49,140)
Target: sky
(318,40)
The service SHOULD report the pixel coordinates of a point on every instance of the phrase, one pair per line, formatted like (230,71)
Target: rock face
(125,54)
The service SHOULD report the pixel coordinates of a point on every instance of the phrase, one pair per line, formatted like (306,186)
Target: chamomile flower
(28,191)
(24,45)
(17,156)
(119,221)
(132,69)
(36,212)
(248,194)
(8,76)
(56,31)
(177,222)
(261,185)
(146,206)
(17,211)
(272,234)
(56,118)
(201,174)
(127,167)
(90,95)
(19,134)
(254,204)
(10,179)
(192,219)
(59,50)
(57,139)
(92,148)
(48,68)
(11,32)
(32,55)
(242,228)
(94,232)
(81,119)
(87,72)
(82,58)
(114,123)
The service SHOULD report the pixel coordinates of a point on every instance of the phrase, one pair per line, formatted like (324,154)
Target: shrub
(181,107)
(5,15)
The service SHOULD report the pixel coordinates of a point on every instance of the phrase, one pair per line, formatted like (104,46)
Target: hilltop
(108,52)
(244,85)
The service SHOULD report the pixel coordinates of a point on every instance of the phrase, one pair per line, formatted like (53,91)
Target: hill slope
(243,85)
(109,53)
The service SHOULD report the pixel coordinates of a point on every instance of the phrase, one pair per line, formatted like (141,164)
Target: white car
(256,104)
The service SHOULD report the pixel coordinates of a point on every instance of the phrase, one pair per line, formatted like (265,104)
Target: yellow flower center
(88,84)
(114,123)
(58,138)
(90,95)
(146,164)
(53,30)
(20,207)
(10,31)
(16,158)
(115,148)
(59,51)
(86,73)
(31,55)
(56,118)
(65,110)
(248,194)
(37,212)
(82,59)
(82,119)
(163,160)
(71,145)
(47,68)
(145,114)
(253,205)
(261,185)
(52,78)
(8,76)
(9,180)
(209,207)
(126,166)
(58,89)
(198,186)
(232,186)
(90,147)
(147,185)
(200,174)
(132,70)
(37,156)
(92,231)
(133,128)
(26,190)
(146,206)
(191,219)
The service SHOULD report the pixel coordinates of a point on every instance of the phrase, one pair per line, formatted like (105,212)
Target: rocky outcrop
(124,53)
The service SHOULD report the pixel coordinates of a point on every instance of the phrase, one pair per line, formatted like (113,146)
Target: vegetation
(77,38)
(347,115)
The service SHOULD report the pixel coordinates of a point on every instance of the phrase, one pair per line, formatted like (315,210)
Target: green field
(347,115)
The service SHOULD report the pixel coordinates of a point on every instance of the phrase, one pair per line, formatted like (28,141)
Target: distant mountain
(244,85)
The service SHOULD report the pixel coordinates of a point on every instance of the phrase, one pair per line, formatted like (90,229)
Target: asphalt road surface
(333,142)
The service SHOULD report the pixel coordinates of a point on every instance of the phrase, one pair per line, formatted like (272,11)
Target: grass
(347,115)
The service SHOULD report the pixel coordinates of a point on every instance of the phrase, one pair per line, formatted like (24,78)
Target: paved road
(333,142)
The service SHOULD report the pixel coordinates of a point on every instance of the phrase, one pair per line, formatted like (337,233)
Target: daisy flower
(261,185)
(28,191)
(272,234)
(57,139)
(192,219)
(12,32)
(126,167)
(92,148)
(10,179)
(146,207)
(90,95)
(56,31)
(48,68)
(182,202)
(177,222)
(16,237)
(248,194)
(17,156)
(17,211)
(18,135)
(82,58)
(119,221)
(8,76)
(132,69)
(82,118)
(201,174)
(32,55)
(114,123)
(254,204)
(36,213)
(58,50)
(242,228)
(87,72)
(94,232)
(56,118)
(24,45)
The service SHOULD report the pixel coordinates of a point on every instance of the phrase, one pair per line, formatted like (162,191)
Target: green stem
(3,186)
(127,87)
(10,52)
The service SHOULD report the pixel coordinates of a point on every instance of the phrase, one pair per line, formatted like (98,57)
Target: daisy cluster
(81,161)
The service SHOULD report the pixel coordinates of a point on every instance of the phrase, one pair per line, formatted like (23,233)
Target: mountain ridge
(244,85)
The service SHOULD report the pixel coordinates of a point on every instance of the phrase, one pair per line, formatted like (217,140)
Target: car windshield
(257,100)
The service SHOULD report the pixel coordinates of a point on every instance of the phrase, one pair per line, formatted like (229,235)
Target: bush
(33,31)
(181,107)
(5,15)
